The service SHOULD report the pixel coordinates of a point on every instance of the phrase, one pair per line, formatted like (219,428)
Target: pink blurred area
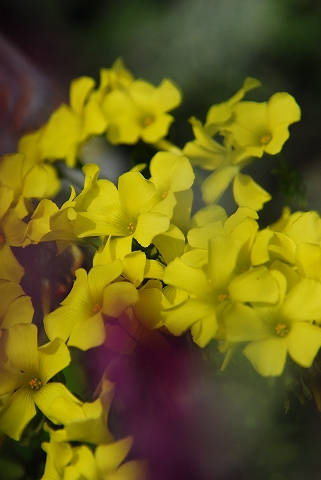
(27,96)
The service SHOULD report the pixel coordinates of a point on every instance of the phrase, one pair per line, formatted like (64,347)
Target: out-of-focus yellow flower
(15,305)
(27,182)
(116,77)
(29,146)
(170,174)
(85,422)
(59,456)
(299,228)
(69,126)
(140,111)
(12,233)
(25,376)
(105,463)
(275,331)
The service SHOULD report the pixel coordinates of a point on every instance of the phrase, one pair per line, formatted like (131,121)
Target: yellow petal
(17,413)
(267,356)
(248,193)
(255,285)
(304,343)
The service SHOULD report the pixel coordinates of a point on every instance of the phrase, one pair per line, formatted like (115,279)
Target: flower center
(165,193)
(35,384)
(131,228)
(281,330)
(147,121)
(2,237)
(222,296)
(265,139)
(96,308)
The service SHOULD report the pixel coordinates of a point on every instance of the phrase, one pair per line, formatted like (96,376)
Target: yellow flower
(12,233)
(80,319)
(28,181)
(262,127)
(85,422)
(204,150)
(126,212)
(106,462)
(140,111)
(227,163)
(299,228)
(211,292)
(222,113)
(170,174)
(15,305)
(28,145)
(69,126)
(24,377)
(273,332)
(116,77)
(59,456)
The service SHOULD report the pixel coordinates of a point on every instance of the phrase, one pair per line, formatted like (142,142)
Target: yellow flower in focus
(80,319)
(262,127)
(140,111)
(222,113)
(211,292)
(227,164)
(24,378)
(126,212)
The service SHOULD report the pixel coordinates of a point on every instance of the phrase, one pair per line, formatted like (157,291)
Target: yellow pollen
(131,227)
(96,308)
(281,330)
(2,238)
(35,384)
(222,297)
(147,121)
(265,139)
(165,194)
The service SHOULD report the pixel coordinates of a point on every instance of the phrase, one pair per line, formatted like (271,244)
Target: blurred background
(207,47)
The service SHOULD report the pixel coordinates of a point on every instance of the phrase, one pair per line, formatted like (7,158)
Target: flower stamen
(35,384)
(96,308)
(222,296)
(131,227)
(147,121)
(265,139)
(165,193)
(281,330)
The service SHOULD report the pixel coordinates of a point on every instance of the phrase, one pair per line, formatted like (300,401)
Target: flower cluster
(158,266)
